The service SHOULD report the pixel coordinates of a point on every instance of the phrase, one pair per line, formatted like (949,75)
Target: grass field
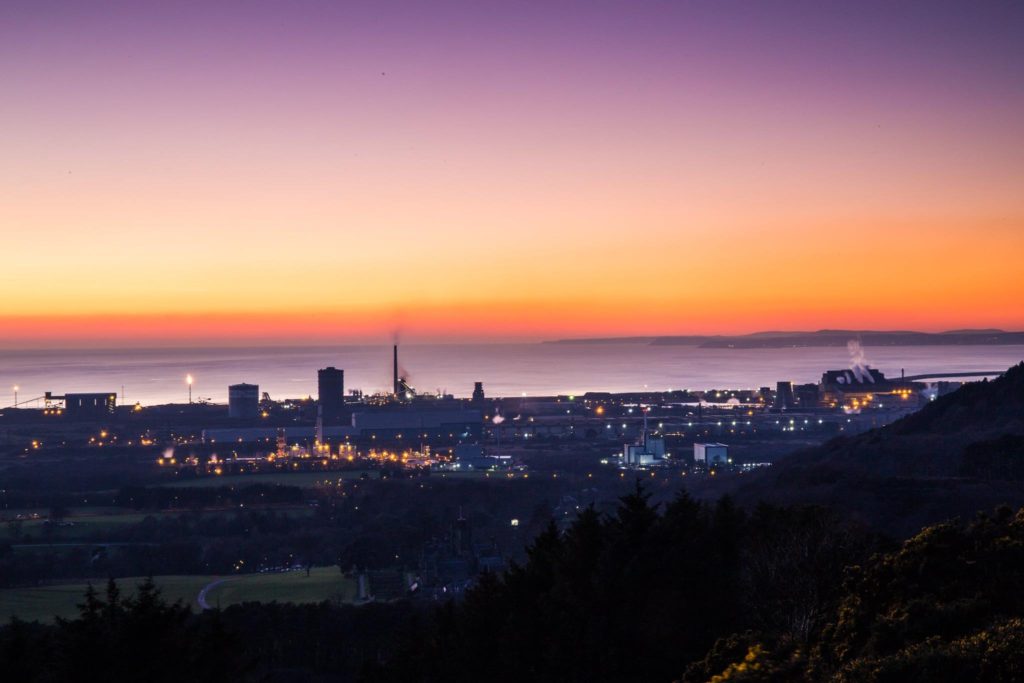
(42,604)
(86,524)
(324,583)
(82,525)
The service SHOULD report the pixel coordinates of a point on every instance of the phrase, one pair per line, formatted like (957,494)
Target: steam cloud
(859,362)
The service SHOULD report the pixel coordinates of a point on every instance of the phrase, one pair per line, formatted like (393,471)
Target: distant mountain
(784,339)
(607,340)
(962,453)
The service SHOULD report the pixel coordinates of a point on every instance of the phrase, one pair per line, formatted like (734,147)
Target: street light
(16,387)
(188,379)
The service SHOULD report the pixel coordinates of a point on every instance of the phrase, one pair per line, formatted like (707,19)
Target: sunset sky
(176,172)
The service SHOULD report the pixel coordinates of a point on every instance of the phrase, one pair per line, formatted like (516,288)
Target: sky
(175,173)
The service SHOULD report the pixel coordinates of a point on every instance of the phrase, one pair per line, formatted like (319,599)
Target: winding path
(201,599)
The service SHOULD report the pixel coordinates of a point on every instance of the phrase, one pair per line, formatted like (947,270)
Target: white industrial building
(711,454)
(645,451)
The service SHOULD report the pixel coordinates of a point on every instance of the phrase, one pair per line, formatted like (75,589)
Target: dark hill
(962,453)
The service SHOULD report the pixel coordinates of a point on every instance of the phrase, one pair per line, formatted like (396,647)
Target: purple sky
(513,154)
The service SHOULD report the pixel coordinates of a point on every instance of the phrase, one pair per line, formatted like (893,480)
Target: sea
(158,375)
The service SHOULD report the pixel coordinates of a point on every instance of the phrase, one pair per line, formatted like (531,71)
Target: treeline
(30,482)
(135,638)
(187,543)
(690,592)
(144,638)
(639,596)
(711,594)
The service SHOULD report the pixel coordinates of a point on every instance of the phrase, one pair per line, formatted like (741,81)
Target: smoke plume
(859,362)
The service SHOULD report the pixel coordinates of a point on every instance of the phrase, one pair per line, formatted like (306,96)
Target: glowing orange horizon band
(508,321)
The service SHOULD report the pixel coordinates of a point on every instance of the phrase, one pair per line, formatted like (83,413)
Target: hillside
(962,453)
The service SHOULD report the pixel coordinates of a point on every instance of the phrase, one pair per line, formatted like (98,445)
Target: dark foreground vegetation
(700,594)
(692,592)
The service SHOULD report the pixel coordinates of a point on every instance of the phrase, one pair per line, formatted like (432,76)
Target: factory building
(807,396)
(478,393)
(331,391)
(472,457)
(78,406)
(419,424)
(710,454)
(645,451)
(854,382)
(860,386)
(268,434)
(784,396)
(244,401)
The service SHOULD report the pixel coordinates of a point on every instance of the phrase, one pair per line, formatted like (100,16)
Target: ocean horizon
(153,376)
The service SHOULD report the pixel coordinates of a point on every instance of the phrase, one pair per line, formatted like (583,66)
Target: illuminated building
(855,380)
(710,454)
(854,388)
(77,406)
(419,424)
(647,450)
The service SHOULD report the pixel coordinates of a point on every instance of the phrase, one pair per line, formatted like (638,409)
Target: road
(201,599)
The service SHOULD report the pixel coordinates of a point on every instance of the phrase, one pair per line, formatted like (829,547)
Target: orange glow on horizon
(506,321)
(925,275)
(337,176)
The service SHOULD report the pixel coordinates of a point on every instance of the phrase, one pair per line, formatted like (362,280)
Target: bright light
(188,379)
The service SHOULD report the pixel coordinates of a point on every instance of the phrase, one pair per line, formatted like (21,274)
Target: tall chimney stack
(397,389)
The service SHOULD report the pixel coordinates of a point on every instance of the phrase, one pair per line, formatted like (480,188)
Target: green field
(81,526)
(42,604)
(324,583)
(84,524)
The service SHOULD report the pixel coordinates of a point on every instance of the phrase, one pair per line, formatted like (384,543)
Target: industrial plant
(712,431)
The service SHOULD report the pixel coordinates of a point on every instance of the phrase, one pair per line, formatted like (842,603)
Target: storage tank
(243,401)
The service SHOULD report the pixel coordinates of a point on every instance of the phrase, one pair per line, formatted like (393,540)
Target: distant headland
(778,340)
